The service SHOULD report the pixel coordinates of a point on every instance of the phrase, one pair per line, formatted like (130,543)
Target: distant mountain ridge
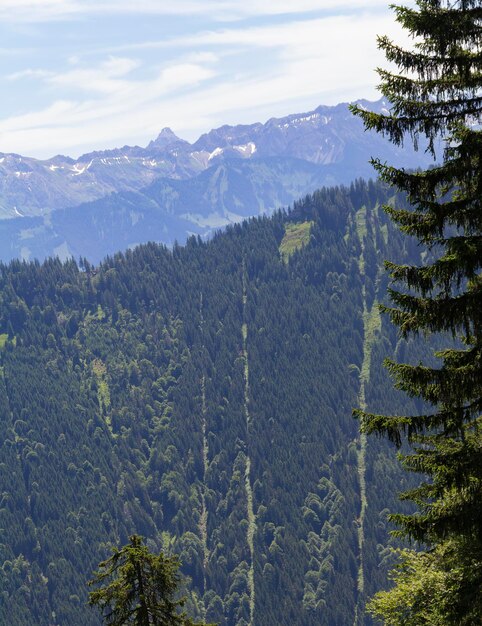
(199,186)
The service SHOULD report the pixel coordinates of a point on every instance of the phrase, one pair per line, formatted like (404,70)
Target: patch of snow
(2,159)
(80,169)
(300,120)
(54,167)
(150,162)
(248,149)
(216,152)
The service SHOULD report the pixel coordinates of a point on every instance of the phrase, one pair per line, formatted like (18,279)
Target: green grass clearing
(103,392)
(361,223)
(296,236)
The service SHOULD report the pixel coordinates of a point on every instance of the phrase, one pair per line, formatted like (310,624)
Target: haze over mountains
(115,199)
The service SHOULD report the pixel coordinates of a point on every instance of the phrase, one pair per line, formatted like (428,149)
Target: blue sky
(80,75)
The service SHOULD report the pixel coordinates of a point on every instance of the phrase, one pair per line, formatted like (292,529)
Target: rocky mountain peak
(165,138)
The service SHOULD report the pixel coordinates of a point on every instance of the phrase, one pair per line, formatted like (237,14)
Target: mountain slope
(202,397)
(165,211)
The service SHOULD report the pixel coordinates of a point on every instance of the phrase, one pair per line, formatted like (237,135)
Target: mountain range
(114,199)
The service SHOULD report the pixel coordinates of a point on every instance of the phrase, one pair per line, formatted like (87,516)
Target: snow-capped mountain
(204,184)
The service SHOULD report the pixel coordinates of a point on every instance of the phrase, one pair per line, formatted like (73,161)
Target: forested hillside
(202,398)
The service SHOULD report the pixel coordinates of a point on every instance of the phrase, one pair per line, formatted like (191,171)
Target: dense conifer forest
(202,397)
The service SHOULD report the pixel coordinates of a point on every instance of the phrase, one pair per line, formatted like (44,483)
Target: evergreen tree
(138,588)
(437,93)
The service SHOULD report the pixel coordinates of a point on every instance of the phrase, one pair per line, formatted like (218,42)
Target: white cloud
(122,100)
(201,57)
(45,10)
(321,61)
(103,79)
(28,73)
(37,10)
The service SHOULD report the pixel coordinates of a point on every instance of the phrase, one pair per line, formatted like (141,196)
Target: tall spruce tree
(436,93)
(139,588)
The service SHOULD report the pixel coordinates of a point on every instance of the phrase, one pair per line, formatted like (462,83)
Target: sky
(83,75)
